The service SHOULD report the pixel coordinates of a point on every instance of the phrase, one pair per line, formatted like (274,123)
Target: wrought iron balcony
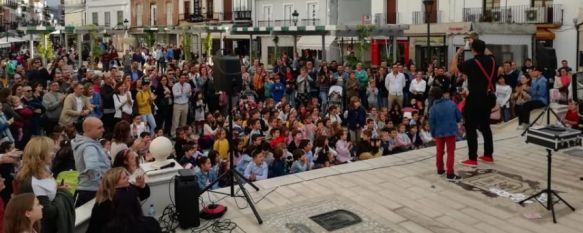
(240,15)
(287,22)
(552,14)
(9,3)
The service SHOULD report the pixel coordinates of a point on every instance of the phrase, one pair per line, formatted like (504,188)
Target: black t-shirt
(477,82)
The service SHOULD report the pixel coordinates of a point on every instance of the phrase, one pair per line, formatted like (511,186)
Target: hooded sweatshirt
(91,161)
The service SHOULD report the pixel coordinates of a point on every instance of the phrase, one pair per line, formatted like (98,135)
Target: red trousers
(440,144)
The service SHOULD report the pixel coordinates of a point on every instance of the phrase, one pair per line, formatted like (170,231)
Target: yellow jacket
(143,100)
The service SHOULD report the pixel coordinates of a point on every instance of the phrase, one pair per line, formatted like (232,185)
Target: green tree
(363,34)
(187,45)
(208,44)
(95,53)
(150,39)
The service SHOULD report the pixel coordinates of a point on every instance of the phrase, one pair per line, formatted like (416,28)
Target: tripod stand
(550,205)
(548,110)
(550,193)
(233,175)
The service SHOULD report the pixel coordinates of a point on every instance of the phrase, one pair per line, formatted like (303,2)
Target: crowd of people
(85,130)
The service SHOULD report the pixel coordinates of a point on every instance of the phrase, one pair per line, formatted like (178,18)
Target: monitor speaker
(186,194)
(227,74)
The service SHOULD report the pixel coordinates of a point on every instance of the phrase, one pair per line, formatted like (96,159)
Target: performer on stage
(480,71)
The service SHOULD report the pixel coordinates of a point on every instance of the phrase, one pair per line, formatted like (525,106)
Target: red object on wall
(404,44)
(374,53)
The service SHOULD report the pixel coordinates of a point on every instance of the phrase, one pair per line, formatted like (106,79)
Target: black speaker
(186,194)
(227,74)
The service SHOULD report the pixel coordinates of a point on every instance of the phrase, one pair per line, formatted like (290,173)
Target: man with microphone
(481,71)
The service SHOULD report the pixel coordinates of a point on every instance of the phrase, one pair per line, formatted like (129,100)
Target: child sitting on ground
(300,163)
(256,170)
(572,119)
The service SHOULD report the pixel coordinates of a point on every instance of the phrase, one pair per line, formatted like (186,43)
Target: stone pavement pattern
(403,192)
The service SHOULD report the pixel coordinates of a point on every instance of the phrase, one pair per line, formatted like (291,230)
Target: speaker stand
(234,175)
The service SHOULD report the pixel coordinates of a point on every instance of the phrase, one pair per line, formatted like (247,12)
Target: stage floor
(402,193)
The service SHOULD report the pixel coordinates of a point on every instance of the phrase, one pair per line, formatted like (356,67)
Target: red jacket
(276,141)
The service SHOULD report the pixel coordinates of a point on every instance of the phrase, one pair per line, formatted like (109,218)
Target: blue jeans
(323,99)
(505,113)
(149,118)
(291,97)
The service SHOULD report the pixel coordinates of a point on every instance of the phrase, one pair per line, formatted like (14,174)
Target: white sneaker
(522,126)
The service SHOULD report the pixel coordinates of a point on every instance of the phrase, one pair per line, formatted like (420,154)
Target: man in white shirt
(181,92)
(395,82)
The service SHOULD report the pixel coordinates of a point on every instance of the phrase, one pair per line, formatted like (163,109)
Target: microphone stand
(233,175)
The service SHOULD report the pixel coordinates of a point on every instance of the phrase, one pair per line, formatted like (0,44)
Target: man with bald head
(90,160)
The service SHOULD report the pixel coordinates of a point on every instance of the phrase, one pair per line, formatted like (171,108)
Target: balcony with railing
(419,17)
(9,3)
(242,15)
(287,22)
(552,14)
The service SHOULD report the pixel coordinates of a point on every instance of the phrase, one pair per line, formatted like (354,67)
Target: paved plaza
(402,193)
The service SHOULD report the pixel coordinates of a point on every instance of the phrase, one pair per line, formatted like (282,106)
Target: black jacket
(59,214)
(101,214)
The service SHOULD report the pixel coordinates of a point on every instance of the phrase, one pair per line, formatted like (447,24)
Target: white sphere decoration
(160,148)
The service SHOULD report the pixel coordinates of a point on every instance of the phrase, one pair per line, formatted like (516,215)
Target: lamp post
(428,8)
(295,16)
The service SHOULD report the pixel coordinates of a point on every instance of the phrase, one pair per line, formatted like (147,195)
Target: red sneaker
(469,163)
(487,159)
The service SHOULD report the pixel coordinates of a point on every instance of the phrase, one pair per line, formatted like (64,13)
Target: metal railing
(552,14)
(9,3)
(242,15)
(419,17)
(287,22)
(309,22)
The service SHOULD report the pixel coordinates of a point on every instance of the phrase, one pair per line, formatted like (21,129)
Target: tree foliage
(187,45)
(363,34)
(208,44)
(46,51)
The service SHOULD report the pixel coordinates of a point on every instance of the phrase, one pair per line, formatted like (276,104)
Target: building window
(153,15)
(267,13)
(107,19)
(209,9)
(186,9)
(491,4)
(287,14)
(240,5)
(95,18)
(544,3)
(312,10)
(119,18)
(139,13)
(169,12)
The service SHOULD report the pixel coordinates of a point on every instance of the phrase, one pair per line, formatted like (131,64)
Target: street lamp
(295,16)
(428,8)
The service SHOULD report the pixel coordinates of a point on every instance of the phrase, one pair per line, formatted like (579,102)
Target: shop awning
(438,29)
(504,28)
(315,42)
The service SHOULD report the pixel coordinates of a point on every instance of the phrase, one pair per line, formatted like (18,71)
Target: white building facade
(107,13)
(554,19)
(74,12)
(311,13)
